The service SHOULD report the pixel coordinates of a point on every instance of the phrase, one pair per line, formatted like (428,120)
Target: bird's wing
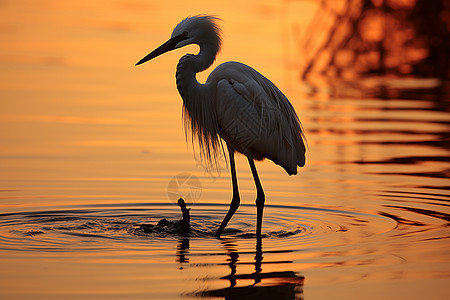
(256,118)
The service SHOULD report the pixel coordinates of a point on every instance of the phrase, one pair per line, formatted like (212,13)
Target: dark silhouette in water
(183,251)
(174,227)
(281,285)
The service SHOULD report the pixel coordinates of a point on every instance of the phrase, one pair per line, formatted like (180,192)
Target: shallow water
(92,147)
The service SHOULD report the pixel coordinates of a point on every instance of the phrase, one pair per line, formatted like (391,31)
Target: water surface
(91,147)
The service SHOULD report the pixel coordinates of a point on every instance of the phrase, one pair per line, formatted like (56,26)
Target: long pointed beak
(167,46)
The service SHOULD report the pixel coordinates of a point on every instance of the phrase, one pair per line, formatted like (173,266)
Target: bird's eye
(185,34)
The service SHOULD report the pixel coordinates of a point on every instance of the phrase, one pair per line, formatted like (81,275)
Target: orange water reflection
(81,125)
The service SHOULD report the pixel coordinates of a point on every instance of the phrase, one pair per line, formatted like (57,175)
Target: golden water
(91,146)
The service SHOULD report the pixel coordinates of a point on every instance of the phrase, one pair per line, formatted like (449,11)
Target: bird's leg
(260,198)
(235,201)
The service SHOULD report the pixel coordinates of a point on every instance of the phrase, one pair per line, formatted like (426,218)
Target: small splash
(181,227)
(34,232)
(284,233)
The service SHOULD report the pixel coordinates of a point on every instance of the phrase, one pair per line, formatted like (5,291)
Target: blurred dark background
(355,39)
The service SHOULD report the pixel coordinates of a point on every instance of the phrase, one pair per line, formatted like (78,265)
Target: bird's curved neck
(199,110)
(196,96)
(187,68)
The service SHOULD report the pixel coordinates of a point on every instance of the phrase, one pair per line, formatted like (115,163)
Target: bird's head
(202,30)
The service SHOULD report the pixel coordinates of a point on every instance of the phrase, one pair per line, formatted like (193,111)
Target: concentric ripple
(111,227)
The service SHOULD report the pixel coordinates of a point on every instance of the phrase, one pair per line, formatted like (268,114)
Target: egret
(236,104)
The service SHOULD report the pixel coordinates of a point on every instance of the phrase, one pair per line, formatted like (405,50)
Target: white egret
(236,104)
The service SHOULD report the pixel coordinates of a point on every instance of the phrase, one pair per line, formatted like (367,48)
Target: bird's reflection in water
(283,285)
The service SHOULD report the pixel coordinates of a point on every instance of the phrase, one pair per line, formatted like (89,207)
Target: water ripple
(109,226)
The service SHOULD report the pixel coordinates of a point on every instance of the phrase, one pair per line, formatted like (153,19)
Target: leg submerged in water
(260,198)
(235,201)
